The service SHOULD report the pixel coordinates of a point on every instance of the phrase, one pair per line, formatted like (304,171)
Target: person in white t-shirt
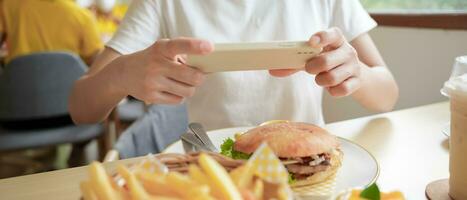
(141,61)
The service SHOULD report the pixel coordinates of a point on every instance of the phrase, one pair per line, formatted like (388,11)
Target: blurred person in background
(108,13)
(143,60)
(29,26)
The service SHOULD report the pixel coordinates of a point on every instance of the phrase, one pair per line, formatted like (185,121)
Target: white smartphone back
(254,56)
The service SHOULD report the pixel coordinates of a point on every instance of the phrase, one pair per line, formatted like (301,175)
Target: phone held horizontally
(254,56)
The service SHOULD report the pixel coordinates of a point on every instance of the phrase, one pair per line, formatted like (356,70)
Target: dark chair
(34,90)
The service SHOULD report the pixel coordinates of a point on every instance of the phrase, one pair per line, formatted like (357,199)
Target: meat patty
(305,169)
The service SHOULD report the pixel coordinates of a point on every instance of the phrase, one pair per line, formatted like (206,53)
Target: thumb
(173,47)
(329,39)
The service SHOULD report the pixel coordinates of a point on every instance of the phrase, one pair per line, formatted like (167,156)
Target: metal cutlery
(188,147)
(201,134)
(191,139)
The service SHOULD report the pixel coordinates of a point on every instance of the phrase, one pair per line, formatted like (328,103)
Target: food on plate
(205,177)
(309,153)
(252,186)
(372,192)
(99,185)
(227,149)
(181,162)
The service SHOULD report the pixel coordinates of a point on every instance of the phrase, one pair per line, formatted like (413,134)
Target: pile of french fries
(205,181)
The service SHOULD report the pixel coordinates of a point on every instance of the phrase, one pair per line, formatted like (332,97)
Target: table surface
(408,144)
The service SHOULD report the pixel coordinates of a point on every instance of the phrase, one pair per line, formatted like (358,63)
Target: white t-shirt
(248,97)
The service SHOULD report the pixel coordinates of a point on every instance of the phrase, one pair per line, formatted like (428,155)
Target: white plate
(359,167)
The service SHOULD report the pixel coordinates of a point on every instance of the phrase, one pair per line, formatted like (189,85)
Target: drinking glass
(459,68)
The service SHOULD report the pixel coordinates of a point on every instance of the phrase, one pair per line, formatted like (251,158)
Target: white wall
(420,59)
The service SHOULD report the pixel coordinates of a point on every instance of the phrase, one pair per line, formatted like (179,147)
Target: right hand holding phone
(158,74)
(337,68)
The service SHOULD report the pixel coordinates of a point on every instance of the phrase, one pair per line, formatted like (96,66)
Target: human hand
(158,74)
(337,68)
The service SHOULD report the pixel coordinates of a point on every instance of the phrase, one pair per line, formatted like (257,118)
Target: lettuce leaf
(291,179)
(227,150)
(371,192)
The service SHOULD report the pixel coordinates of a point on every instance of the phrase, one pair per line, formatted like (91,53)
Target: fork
(192,143)
(201,134)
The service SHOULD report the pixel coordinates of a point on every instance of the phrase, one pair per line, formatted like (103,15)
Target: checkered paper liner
(271,168)
(268,166)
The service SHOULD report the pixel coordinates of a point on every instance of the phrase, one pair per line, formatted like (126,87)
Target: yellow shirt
(107,27)
(48,25)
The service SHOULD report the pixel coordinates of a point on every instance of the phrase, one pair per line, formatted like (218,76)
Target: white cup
(460,66)
(456,89)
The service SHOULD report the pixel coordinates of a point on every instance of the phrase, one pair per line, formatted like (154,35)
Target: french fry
(243,176)
(203,198)
(206,181)
(200,177)
(258,189)
(199,193)
(197,175)
(165,198)
(100,182)
(86,190)
(392,195)
(236,175)
(247,194)
(221,180)
(136,189)
(171,185)
(156,184)
(180,182)
(282,194)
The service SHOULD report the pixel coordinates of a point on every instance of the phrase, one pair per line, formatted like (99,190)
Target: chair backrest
(37,86)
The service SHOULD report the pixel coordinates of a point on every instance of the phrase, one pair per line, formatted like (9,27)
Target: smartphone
(254,56)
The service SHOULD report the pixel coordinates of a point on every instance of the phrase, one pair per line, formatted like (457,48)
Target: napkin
(153,165)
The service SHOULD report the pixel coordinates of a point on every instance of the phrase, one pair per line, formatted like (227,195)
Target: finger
(176,88)
(184,74)
(346,88)
(164,98)
(283,72)
(336,75)
(174,47)
(329,39)
(329,60)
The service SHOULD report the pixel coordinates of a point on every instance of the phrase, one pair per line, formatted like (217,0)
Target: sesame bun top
(288,139)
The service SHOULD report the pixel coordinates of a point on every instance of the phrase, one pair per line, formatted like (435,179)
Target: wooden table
(408,144)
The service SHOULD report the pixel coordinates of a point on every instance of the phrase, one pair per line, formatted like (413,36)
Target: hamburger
(310,153)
